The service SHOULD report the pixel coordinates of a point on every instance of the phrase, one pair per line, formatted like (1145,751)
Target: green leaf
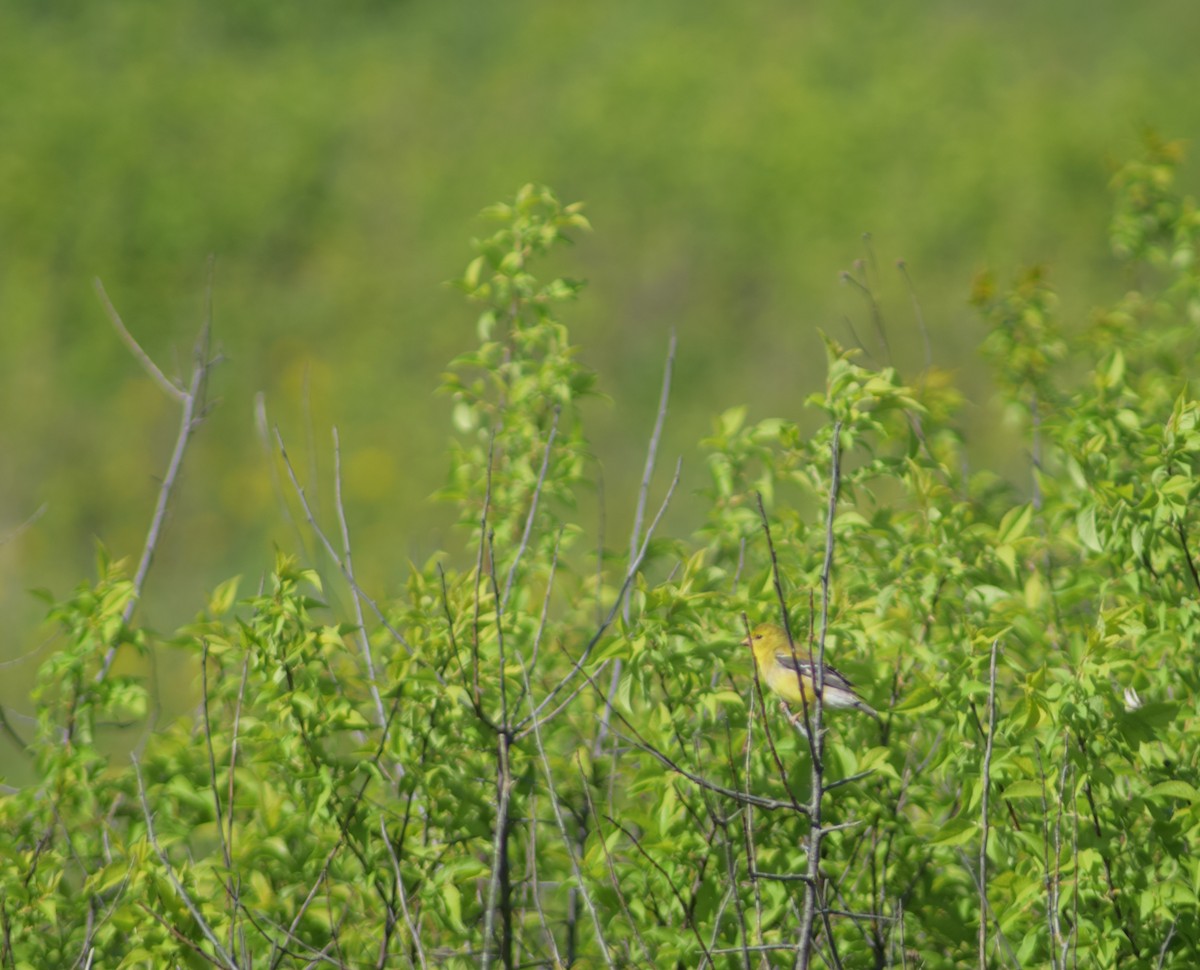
(1085,525)
(1014,523)
(223,597)
(1024,788)
(452,898)
(958,831)
(1174,789)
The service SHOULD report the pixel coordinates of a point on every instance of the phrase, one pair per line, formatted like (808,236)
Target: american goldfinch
(790,674)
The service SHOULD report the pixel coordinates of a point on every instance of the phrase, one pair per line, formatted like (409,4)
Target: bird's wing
(833,677)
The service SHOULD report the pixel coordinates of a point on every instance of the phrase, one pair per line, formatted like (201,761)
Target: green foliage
(539,759)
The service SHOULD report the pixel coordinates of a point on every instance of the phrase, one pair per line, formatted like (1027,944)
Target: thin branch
(876,315)
(816,738)
(483,531)
(636,533)
(612,869)
(7,729)
(329,548)
(651,457)
(364,641)
(531,854)
(983,810)
(533,504)
(848,780)
(601,528)
(235,737)
(558,818)
(24,526)
(1001,939)
(216,796)
(530,725)
(670,883)
(192,413)
(501,871)
(1113,896)
(499,846)
(474,694)
(1047,880)
(209,935)
(317,883)
(169,388)
(771,804)
(1057,876)
(501,659)
(731,868)
(748,816)
(412,929)
(178,934)
(262,430)
(1162,953)
(634,566)
(902,266)
(1187,553)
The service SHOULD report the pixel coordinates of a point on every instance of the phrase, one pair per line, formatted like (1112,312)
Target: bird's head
(764,631)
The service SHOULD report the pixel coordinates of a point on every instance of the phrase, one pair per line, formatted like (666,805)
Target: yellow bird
(790,674)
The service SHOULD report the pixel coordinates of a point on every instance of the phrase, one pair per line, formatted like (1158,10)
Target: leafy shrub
(553,756)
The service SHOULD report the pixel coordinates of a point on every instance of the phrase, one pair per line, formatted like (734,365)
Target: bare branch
(483,531)
(983,809)
(24,526)
(11,733)
(192,413)
(562,825)
(691,925)
(412,929)
(651,457)
(816,738)
(1047,879)
(612,869)
(364,641)
(772,804)
(324,539)
(535,888)
(533,504)
(629,576)
(226,959)
(902,266)
(148,365)
(499,845)
(213,760)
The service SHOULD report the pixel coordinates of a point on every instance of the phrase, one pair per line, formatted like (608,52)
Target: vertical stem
(499,888)
(983,810)
(816,737)
(651,453)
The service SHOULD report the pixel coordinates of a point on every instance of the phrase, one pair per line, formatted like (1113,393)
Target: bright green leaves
(522,453)
(549,757)
(1152,223)
(533,222)
(1024,342)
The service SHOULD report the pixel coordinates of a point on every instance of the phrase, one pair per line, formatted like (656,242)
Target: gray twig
(983,809)
(209,935)
(192,414)
(364,641)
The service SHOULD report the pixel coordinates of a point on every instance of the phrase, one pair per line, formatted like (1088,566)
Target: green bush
(559,755)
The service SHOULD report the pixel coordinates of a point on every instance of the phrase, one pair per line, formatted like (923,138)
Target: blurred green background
(333,158)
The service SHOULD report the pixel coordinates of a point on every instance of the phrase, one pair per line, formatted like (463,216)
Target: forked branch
(193,411)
